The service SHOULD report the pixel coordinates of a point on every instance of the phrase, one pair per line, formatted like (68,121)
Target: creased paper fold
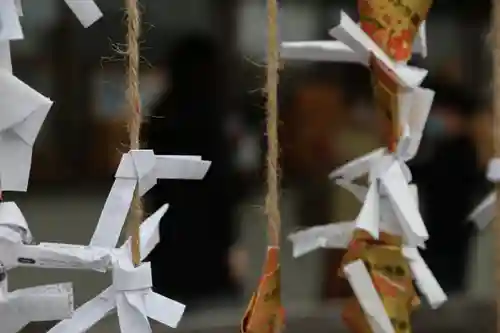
(130,293)
(24,113)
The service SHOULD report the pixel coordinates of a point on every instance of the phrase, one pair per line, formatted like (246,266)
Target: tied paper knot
(131,279)
(140,169)
(339,236)
(139,165)
(131,293)
(388,198)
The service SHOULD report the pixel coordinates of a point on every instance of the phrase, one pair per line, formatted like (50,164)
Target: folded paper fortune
(130,293)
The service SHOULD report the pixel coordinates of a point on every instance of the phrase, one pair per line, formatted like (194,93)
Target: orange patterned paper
(393,24)
(265,313)
(391,278)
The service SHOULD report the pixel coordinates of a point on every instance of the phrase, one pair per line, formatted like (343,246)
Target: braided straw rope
(134,116)
(273,64)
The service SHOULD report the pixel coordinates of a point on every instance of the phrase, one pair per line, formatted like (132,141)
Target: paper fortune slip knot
(130,293)
(393,25)
(140,169)
(265,313)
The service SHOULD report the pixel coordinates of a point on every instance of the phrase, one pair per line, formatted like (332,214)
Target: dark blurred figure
(191,263)
(449,180)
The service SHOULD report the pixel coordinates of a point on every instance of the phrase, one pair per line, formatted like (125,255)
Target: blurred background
(201,79)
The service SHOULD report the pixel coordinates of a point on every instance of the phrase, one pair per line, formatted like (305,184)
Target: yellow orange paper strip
(265,313)
(393,26)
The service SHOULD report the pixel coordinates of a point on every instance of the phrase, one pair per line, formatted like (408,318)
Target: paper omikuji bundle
(382,258)
(23,113)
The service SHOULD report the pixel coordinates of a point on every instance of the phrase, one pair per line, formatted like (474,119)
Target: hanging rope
(134,116)
(272,198)
(495,34)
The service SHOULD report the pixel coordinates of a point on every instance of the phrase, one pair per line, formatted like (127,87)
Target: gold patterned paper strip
(393,24)
(391,276)
(265,312)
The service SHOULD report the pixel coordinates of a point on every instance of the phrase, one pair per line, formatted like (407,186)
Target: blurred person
(192,262)
(482,132)
(480,269)
(449,181)
(313,120)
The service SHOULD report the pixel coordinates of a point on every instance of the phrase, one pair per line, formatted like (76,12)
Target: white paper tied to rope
(353,45)
(389,176)
(338,235)
(18,250)
(140,168)
(389,188)
(337,51)
(130,294)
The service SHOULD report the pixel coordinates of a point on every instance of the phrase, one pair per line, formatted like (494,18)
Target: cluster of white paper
(389,200)
(131,293)
(23,113)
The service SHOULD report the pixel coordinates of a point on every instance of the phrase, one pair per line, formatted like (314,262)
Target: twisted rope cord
(273,64)
(134,117)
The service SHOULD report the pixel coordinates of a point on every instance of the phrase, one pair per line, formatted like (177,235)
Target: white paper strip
(356,39)
(420,43)
(5,58)
(365,292)
(43,303)
(425,280)
(10,27)
(86,11)
(484,213)
(24,113)
(141,167)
